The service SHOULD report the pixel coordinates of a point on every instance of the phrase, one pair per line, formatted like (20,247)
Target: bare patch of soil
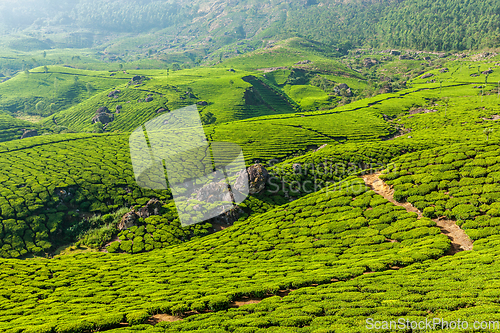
(103,249)
(459,239)
(245,301)
(159,318)
(495,117)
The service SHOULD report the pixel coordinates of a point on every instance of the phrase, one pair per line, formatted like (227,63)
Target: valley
(349,150)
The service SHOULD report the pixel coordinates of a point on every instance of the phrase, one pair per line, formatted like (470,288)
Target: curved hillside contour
(459,239)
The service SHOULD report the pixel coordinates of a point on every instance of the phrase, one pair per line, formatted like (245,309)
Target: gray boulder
(257,179)
(128,220)
(29,134)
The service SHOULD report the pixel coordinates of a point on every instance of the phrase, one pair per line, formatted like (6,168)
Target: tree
(176,67)
(446,101)
(44,54)
(55,87)
(208,118)
(89,88)
(45,69)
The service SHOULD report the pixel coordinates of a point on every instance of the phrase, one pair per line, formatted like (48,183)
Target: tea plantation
(460,182)
(316,251)
(335,235)
(48,180)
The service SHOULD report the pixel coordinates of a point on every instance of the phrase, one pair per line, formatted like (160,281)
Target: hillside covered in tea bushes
(315,247)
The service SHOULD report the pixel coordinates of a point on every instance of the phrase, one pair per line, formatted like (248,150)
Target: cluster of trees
(420,24)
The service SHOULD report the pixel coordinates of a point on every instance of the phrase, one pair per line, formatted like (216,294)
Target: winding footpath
(459,239)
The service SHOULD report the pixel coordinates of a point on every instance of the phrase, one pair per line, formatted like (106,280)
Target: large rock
(29,134)
(214,192)
(103,115)
(102,109)
(257,179)
(114,93)
(343,86)
(369,62)
(153,207)
(128,220)
(104,118)
(405,57)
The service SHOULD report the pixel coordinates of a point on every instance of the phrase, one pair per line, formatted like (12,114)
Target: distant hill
(440,25)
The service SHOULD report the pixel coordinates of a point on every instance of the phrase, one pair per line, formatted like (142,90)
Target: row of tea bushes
(448,288)
(327,236)
(49,182)
(459,182)
(306,174)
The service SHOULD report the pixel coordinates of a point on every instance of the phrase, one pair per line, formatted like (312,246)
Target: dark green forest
(416,24)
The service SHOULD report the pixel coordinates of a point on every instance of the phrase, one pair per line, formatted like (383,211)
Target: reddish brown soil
(459,239)
(162,318)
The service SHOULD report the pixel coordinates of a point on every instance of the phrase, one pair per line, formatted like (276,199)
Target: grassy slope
(293,246)
(63,178)
(309,308)
(61,86)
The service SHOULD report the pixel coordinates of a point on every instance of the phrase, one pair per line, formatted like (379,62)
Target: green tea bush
(466,192)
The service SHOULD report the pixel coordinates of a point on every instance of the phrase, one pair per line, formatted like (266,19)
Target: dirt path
(459,239)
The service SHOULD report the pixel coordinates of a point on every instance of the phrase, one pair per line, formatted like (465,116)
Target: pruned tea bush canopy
(48,184)
(328,235)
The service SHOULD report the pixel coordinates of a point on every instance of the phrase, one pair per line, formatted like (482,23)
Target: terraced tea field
(381,203)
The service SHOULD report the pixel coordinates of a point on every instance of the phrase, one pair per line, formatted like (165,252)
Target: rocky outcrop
(426,76)
(343,86)
(257,179)
(153,207)
(128,220)
(114,94)
(103,115)
(214,192)
(202,103)
(444,70)
(303,62)
(369,62)
(104,118)
(405,57)
(395,53)
(137,80)
(487,72)
(29,134)
(421,110)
